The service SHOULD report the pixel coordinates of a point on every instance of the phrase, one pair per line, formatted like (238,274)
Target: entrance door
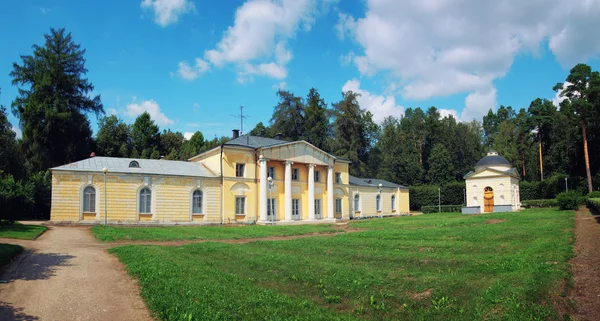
(296,209)
(488,200)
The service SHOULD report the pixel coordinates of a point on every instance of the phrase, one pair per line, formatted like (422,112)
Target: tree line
(420,148)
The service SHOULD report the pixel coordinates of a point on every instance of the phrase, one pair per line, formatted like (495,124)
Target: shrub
(445,209)
(594,194)
(539,203)
(568,200)
(594,205)
(427,195)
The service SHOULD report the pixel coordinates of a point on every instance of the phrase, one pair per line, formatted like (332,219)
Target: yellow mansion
(246,180)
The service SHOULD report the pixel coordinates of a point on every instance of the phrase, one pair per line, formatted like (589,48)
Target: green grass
(174,233)
(430,267)
(21,231)
(8,251)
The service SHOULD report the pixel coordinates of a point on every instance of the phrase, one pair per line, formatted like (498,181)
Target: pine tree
(145,135)
(316,123)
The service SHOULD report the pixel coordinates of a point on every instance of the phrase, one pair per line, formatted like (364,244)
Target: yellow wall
(368,201)
(171,197)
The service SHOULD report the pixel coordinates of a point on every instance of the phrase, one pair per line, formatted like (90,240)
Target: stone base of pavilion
(302,222)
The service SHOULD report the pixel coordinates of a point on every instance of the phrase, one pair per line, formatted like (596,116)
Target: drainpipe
(222,186)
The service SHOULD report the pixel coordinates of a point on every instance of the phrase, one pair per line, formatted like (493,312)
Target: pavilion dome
(492,159)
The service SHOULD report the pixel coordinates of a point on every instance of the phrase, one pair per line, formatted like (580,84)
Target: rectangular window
(318,208)
(295,207)
(240,205)
(239,170)
(271,207)
(317,176)
(295,175)
(338,178)
(338,205)
(271,172)
(393,202)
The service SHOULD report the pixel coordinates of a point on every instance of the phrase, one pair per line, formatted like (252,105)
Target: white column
(311,191)
(263,188)
(330,205)
(288,190)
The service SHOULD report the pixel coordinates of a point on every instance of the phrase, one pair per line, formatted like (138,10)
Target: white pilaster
(263,188)
(288,190)
(330,204)
(311,191)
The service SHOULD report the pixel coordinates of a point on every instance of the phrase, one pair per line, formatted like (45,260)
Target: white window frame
(378,203)
(89,203)
(317,176)
(357,202)
(243,170)
(318,207)
(271,172)
(201,202)
(295,207)
(393,202)
(295,174)
(145,199)
(338,206)
(272,204)
(241,199)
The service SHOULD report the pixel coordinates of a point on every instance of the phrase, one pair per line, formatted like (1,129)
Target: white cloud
(134,109)
(111,111)
(557,98)
(345,26)
(188,135)
(380,106)
(45,11)
(17,131)
(449,112)
(256,42)
(168,11)
(188,72)
(443,47)
(280,86)
(477,104)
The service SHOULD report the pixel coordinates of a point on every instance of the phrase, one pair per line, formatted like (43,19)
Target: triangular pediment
(490,172)
(301,152)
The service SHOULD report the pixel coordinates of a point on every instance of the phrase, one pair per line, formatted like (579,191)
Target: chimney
(236,133)
(93,154)
(279,136)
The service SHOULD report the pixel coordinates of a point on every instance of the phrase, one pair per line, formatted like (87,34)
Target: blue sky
(192,63)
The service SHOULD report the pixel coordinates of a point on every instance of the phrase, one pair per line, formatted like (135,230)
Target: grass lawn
(173,233)
(429,267)
(8,251)
(21,231)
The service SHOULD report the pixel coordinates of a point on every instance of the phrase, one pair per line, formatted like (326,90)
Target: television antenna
(241,117)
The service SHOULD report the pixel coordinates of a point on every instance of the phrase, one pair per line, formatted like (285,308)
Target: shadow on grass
(10,313)
(35,266)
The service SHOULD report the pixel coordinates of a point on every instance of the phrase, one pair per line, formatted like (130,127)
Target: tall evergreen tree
(53,100)
(541,111)
(145,137)
(316,123)
(113,138)
(441,169)
(11,159)
(288,116)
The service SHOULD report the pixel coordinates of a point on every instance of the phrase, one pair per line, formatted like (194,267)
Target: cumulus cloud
(256,42)
(438,48)
(17,131)
(168,11)
(557,98)
(380,106)
(188,135)
(188,72)
(134,109)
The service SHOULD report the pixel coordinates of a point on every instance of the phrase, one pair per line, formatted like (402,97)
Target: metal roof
(493,160)
(147,166)
(373,182)
(255,141)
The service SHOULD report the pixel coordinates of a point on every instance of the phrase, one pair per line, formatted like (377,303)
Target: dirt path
(586,267)
(66,274)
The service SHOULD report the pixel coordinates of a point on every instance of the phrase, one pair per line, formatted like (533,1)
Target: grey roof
(147,166)
(493,160)
(373,182)
(255,141)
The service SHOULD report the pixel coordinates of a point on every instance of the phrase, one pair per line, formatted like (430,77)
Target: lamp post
(105,170)
(439,200)
(566,186)
(271,205)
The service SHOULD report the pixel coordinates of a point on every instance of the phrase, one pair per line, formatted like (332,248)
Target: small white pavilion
(492,187)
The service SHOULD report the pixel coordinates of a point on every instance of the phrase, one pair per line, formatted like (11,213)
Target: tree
(261,130)
(145,136)
(52,102)
(288,116)
(582,92)
(192,147)
(170,141)
(11,159)
(441,169)
(316,122)
(355,133)
(541,111)
(113,138)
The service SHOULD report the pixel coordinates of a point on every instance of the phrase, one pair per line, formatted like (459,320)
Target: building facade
(492,187)
(246,180)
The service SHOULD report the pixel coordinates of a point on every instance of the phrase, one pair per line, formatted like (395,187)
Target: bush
(427,195)
(568,200)
(551,187)
(594,205)
(445,209)
(594,194)
(539,203)
(16,199)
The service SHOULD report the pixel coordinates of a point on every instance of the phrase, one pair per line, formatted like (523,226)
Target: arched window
(393,202)
(145,201)
(134,164)
(89,200)
(378,202)
(356,203)
(197,202)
